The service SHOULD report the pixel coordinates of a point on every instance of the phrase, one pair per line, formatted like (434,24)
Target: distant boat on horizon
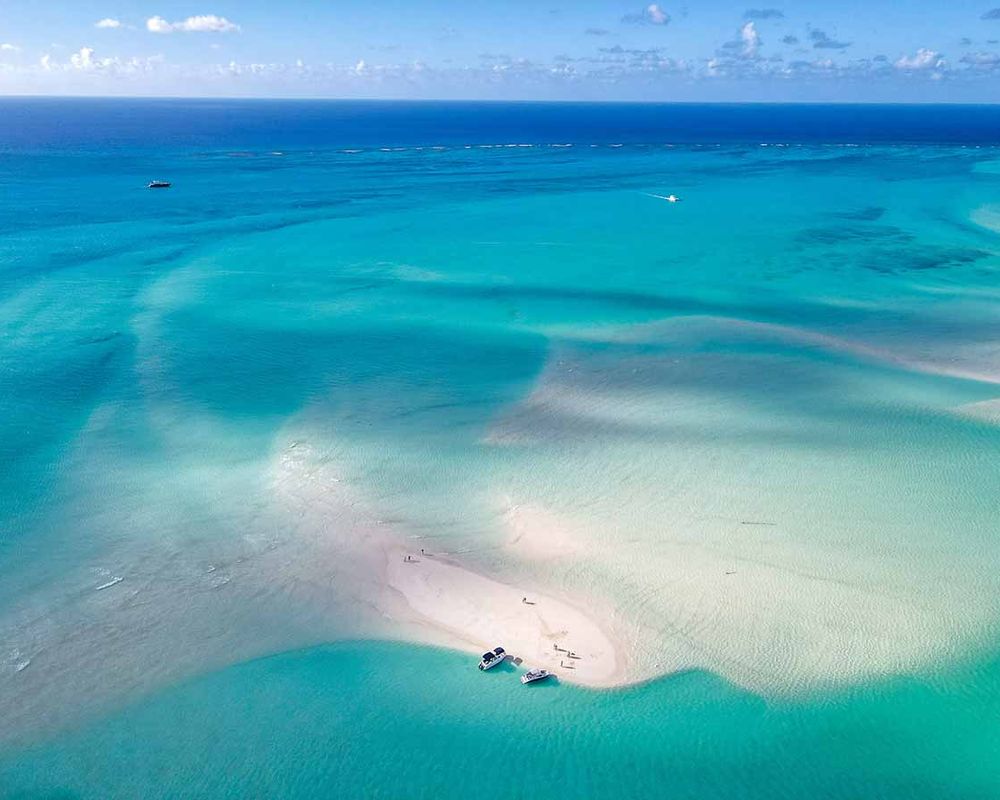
(158,185)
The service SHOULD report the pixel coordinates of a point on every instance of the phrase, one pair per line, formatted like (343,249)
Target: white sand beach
(481,613)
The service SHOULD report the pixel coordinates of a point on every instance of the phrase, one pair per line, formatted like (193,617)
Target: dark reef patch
(853,233)
(916,259)
(870,214)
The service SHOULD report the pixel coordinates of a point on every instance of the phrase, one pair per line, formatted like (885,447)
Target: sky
(715,50)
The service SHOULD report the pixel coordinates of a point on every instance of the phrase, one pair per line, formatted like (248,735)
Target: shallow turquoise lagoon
(440,335)
(377,720)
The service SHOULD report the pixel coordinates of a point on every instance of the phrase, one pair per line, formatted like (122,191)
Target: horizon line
(496,101)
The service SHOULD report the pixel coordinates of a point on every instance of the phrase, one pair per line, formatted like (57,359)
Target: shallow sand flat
(766,608)
(166,603)
(771,612)
(987,216)
(536,535)
(987,410)
(718,526)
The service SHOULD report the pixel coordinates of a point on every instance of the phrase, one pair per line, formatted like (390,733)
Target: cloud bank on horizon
(588,49)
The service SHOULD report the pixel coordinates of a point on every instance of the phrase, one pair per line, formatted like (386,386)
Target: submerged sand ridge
(780,538)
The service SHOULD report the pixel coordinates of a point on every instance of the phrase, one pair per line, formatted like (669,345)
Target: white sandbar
(484,613)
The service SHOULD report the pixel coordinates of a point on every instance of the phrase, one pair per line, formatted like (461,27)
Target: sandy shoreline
(481,613)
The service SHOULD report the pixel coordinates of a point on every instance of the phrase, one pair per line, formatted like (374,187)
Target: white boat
(533,675)
(158,185)
(670,198)
(491,658)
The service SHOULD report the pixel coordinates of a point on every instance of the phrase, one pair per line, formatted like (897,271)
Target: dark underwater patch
(870,214)
(83,254)
(918,259)
(853,233)
(100,338)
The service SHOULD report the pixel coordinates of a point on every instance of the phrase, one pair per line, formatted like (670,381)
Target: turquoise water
(387,721)
(212,395)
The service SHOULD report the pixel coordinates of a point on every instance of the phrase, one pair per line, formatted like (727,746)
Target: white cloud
(750,39)
(158,25)
(745,58)
(745,46)
(652,14)
(202,23)
(108,22)
(7,47)
(84,59)
(657,15)
(206,23)
(923,59)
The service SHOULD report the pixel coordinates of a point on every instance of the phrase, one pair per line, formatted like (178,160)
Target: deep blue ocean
(109,124)
(754,435)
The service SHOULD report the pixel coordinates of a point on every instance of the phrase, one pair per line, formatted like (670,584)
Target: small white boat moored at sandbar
(533,675)
(491,658)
